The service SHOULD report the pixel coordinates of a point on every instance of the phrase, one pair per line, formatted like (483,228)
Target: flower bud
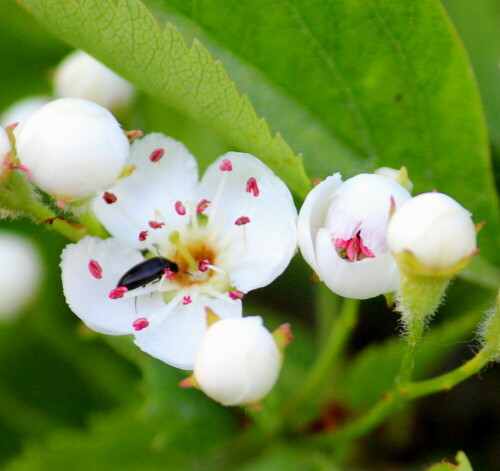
(81,76)
(73,148)
(19,274)
(432,235)
(238,361)
(342,234)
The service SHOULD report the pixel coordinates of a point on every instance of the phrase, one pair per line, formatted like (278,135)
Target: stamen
(109,197)
(202,205)
(156,155)
(95,269)
(118,292)
(226,165)
(186,300)
(156,224)
(203,265)
(252,186)
(169,274)
(140,323)
(242,221)
(236,294)
(175,238)
(353,249)
(179,208)
(143,235)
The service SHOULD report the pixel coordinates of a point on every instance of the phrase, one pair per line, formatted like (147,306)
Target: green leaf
(356,85)
(353,84)
(463,464)
(128,38)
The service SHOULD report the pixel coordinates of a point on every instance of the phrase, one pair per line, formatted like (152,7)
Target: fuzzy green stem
(17,195)
(92,224)
(391,400)
(418,299)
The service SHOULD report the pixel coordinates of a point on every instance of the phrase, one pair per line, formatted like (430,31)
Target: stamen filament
(175,238)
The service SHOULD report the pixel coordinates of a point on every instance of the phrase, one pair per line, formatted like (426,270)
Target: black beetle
(145,272)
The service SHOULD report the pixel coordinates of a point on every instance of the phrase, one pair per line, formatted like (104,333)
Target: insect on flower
(146,272)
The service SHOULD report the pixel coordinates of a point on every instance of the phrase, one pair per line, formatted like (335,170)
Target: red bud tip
(118,293)
(156,155)
(95,269)
(133,135)
(109,197)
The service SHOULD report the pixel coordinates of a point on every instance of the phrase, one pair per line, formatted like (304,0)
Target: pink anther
(95,269)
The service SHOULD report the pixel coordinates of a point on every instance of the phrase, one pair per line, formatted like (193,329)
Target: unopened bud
(432,235)
(238,361)
(73,148)
(19,274)
(82,76)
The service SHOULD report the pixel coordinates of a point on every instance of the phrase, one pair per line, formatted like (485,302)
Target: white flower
(73,148)
(342,230)
(21,110)
(19,274)
(81,76)
(238,361)
(436,230)
(230,233)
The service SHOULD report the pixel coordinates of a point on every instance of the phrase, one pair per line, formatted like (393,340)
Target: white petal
(312,216)
(88,297)
(362,279)
(152,186)
(176,339)
(260,250)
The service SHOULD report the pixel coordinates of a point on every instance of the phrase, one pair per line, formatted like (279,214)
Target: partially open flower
(238,361)
(342,234)
(72,148)
(432,234)
(19,274)
(82,76)
(218,238)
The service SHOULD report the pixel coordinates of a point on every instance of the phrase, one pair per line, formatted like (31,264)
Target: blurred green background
(68,400)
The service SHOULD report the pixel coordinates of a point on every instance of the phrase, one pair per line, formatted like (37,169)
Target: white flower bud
(81,76)
(73,148)
(342,229)
(21,110)
(432,234)
(19,274)
(238,361)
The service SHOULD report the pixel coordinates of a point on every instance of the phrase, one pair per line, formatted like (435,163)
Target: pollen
(95,269)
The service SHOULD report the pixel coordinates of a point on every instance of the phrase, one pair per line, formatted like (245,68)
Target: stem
(93,225)
(326,361)
(390,401)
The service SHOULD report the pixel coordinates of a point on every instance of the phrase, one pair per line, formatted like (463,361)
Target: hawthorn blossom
(432,234)
(219,238)
(238,361)
(342,233)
